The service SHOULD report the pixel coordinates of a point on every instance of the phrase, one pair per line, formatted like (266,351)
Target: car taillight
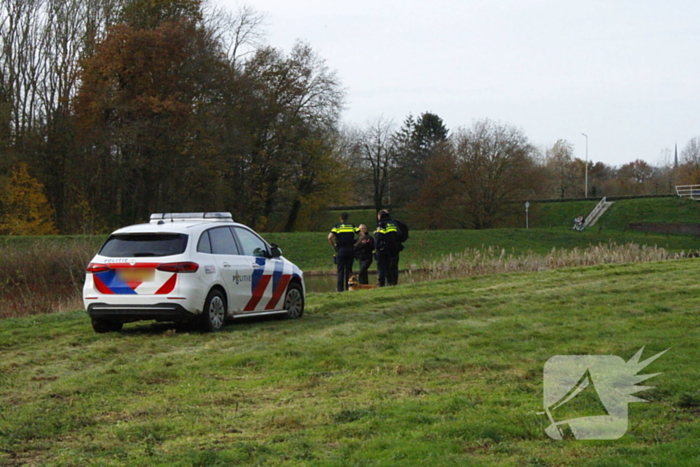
(95,268)
(178,267)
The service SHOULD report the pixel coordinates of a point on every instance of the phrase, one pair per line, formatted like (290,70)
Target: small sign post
(527,215)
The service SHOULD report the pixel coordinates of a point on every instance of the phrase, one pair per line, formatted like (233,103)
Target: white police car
(187,267)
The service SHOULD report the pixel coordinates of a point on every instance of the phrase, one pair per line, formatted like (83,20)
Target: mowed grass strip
(440,373)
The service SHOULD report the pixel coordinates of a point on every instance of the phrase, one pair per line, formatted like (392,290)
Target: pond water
(326,283)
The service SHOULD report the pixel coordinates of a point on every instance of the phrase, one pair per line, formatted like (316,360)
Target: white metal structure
(688,191)
(189,266)
(597,212)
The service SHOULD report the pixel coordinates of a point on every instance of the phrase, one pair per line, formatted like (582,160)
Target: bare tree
(20,61)
(496,167)
(690,162)
(41,44)
(290,101)
(373,152)
(240,33)
(562,169)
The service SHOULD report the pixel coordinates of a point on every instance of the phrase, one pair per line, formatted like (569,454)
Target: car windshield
(144,245)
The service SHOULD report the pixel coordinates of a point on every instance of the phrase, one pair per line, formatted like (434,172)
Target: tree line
(113,109)
(120,108)
(472,177)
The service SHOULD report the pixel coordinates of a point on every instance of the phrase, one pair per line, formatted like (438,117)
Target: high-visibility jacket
(344,235)
(385,236)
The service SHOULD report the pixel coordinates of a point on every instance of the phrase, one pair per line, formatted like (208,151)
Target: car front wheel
(214,314)
(294,301)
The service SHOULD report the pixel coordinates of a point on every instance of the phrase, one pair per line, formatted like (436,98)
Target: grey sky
(627,73)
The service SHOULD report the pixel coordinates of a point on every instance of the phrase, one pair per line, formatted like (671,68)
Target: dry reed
(43,276)
(474,261)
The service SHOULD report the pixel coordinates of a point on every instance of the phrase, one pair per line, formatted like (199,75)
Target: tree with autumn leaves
(24,209)
(125,107)
(169,122)
(142,110)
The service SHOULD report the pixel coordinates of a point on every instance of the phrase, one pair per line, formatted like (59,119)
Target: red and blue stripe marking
(109,283)
(261,281)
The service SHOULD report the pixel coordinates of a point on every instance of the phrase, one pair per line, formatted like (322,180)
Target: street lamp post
(586,192)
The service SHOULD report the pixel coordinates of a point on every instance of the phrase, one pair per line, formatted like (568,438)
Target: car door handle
(256,266)
(226,265)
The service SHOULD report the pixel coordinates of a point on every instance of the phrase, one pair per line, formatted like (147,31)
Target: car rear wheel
(294,301)
(214,314)
(102,326)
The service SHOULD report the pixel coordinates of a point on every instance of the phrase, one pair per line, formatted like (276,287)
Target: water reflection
(327,282)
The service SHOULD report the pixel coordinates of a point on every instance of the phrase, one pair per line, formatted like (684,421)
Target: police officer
(342,238)
(387,248)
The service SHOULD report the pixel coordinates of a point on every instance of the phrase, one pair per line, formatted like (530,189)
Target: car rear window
(143,245)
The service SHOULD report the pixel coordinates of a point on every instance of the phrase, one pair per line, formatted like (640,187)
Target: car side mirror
(275,251)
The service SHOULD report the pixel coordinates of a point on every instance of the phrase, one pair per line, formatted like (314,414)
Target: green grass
(311,251)
(551,228)
(561,214)
(660,210)
(556,215)
(44,274)
(446,373)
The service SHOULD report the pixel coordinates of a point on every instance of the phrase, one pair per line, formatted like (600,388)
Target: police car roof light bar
(191,216)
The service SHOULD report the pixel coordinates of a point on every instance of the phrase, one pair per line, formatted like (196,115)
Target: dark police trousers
(387,268)
(364,267)
(345,257)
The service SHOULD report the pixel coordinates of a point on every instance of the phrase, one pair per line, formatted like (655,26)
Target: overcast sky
(625,72)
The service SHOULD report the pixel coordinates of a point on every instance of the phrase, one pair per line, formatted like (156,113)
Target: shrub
(25,209)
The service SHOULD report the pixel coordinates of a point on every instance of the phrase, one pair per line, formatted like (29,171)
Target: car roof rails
(191,216)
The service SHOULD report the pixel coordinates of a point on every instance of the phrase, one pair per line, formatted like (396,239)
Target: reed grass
(43,276)
(490,260)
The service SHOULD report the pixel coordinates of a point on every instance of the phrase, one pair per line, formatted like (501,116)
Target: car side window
(252,244)
(204,245)
(222,241)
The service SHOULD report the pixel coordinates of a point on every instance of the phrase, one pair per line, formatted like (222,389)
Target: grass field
(446,373)
(661,210)
(551,228)
(311,251)
(45,274)
(556,215)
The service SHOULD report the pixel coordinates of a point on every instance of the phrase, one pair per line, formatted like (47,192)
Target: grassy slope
(310,250)
(554,215)
(551,224)
(442,373)
(662,210)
